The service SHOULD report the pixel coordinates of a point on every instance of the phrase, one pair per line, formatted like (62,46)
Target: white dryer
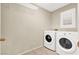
(50,40)
(67,43)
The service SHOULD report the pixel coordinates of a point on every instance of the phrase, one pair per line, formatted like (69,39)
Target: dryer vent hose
(78,44)
(2,39)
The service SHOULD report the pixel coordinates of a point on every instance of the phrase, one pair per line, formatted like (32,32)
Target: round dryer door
(48,38)
(67,45)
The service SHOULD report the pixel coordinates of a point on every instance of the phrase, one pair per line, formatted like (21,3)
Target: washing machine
(50,40)
(67,43)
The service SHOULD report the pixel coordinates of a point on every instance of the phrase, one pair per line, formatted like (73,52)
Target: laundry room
(39,29)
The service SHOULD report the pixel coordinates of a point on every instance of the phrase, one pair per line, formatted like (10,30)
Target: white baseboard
(26,51)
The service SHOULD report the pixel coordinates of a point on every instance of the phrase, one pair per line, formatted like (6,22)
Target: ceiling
(51,6)
(47,6)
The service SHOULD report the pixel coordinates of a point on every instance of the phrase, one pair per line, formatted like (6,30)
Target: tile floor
(41,51)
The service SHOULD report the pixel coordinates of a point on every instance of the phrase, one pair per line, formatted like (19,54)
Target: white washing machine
(50,40)
(67,43)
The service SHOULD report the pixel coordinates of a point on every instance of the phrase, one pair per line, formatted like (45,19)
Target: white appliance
(49,40)
(67,43)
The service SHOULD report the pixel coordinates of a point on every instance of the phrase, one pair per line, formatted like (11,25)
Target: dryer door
(48,38)
(67,45)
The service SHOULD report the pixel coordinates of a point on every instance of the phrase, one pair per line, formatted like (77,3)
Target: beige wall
(0,28)
(23,28)
(0,20)
(56,17)
(78,16)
